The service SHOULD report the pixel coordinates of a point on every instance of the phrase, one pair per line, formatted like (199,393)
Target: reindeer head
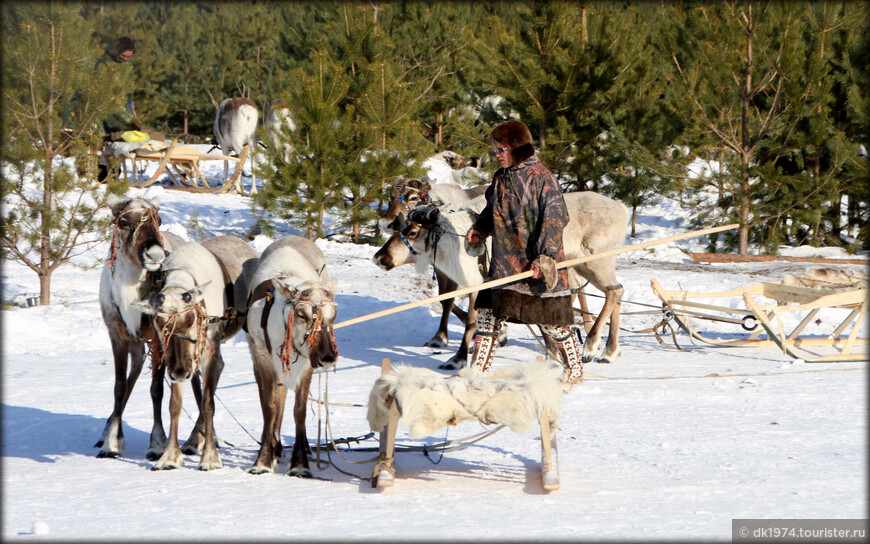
(308,314)
(180,329)
(136,232)
(405,196)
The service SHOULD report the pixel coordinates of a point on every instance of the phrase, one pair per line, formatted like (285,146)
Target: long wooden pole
(528,274)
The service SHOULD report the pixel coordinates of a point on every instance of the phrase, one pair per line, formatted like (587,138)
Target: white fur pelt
(828,278)
(514,396)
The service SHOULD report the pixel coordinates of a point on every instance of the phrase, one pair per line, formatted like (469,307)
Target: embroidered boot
(485,340)
(569,349)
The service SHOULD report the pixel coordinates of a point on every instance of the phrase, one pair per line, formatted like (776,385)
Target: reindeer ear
(197,293)
(287,292)
(156,203)
(115,203)
(144,306)
(332,287)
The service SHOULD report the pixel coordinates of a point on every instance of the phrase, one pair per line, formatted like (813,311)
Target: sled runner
(821,302)
(183,166)
(516,397)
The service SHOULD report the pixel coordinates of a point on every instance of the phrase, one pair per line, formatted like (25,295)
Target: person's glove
(477,247)
(548,269)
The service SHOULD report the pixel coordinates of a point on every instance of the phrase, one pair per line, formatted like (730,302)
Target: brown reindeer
(235,126)
(291,309)
(137,253)
(194,312)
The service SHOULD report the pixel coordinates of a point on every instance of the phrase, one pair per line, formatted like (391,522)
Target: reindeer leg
(267,389)
(172,456)
(299,458)
(460,359)
(157,442)
(445,285)
(111,443)
(600,274)
(194,443)
(280,401)
(611,349)
(211,374)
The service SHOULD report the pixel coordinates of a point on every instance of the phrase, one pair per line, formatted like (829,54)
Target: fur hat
(516,135)
(121,44)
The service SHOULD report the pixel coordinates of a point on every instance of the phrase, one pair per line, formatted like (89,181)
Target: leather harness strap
(264,290)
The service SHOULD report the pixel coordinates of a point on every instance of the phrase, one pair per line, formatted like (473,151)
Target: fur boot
(569,349)
(485,340)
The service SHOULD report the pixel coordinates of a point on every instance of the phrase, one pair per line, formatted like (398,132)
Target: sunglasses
(499,150)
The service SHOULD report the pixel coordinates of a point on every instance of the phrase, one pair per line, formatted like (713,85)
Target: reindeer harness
(266,290)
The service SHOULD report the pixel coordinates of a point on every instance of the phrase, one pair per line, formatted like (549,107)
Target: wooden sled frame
(385,468)
(766,318)
(183,166)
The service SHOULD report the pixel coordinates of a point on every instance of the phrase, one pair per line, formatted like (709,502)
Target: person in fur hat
(525,214)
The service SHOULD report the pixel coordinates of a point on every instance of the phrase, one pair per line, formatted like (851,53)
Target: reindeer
(235,126)
(407,195)
(596,224)
(137,253)
(290,312)
(193,313)
(279,123)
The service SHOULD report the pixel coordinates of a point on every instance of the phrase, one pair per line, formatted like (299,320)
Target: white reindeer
(235,126)
(596,224)
(290,312)
(279,123)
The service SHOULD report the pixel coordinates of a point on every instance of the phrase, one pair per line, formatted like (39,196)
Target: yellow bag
(135,136)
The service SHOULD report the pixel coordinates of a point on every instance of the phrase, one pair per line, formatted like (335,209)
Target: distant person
(113,67)
(525,214)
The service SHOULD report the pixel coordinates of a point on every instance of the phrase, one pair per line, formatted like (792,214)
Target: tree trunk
(634,221)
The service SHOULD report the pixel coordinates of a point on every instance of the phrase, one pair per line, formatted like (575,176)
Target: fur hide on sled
(514,396)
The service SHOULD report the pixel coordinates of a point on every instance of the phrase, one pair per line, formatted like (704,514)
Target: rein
(149,215)
(165,333)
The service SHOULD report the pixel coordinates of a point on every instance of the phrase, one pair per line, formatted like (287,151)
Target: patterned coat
(525,214)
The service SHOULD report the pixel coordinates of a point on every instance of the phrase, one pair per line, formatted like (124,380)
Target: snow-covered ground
(661,444)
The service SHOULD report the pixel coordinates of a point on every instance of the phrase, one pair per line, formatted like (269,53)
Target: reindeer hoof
(300,472)
(259,470)
(108,454)
(436,342)
(167,466)
(452,365)
(153,455)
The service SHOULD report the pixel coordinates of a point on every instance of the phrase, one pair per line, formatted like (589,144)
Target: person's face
(125,56)
(503,154)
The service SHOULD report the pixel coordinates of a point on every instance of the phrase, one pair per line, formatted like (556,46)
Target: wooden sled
(183,166)
(762,323)
(384,473)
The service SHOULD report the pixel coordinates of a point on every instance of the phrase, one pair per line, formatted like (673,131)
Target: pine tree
(732,77)
(637,156)
(47,62)
(302,189)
